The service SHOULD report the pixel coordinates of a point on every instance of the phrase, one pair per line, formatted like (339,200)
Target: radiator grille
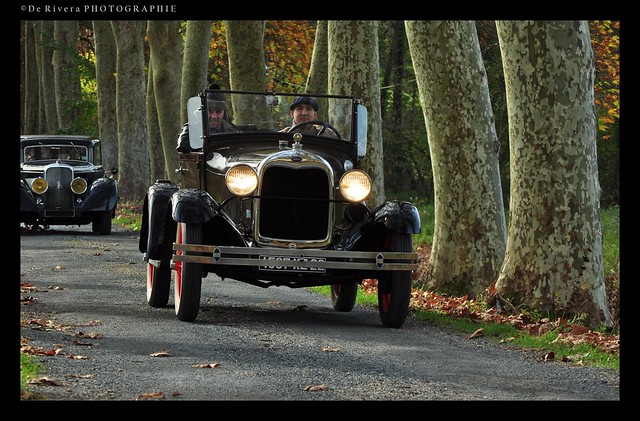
(58,200)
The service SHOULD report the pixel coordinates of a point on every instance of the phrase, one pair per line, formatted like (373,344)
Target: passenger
(303,109)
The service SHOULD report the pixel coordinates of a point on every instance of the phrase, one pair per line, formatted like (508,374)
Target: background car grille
(294,204)
(58,200)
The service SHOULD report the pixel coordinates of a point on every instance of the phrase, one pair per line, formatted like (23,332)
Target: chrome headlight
(355,185)
(39,185)
(241,180)
(79,185)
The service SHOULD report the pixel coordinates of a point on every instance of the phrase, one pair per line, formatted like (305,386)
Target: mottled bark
(156,154)
(105,49)
(554,259)
(133,155)
(29,83)
(318,77)
(354,70)
(66,74)
(44,52)
(165,45)
(469,233)
(245,45)
(195,62)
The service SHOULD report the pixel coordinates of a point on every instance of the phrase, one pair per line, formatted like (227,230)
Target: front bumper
(261,257)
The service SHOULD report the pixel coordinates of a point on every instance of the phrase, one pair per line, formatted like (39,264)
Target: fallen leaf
(77,342)
(476,334)
(316,388)
(47,381)
(161,354)
(327,349)
(147,396)
(91,335)
(175,394)
(58,267)
(206,365)
(77,357)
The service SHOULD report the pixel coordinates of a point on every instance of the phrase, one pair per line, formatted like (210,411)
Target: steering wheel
(324,125)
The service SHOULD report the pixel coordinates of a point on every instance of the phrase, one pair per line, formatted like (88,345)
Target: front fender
(103,195)
(399,216)
(27,201)
(193,206)
(158,230)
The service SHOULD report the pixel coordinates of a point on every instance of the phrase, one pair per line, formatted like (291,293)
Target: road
(250,343)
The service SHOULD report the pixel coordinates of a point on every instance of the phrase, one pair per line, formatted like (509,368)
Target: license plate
(288,264)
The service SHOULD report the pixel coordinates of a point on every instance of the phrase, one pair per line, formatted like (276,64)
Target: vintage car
(273,205)
(63,183)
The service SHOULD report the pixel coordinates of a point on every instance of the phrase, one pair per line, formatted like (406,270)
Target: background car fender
(103,195)
(157,243)
(27,202)
(399,216)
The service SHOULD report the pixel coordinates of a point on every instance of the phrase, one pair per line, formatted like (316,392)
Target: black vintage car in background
(63,183)
(269,207)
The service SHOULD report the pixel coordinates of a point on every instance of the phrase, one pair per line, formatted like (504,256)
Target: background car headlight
(39,185)
(355,185)
(241,180)
(79,185)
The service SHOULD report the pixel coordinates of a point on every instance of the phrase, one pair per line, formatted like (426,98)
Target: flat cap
(304,100)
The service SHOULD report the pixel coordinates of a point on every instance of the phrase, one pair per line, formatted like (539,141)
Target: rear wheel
(158,285)
(394,287)
(188,275)
(343,296)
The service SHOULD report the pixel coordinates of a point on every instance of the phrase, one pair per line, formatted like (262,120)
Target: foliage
(30,368)
(605,41)
(128,215)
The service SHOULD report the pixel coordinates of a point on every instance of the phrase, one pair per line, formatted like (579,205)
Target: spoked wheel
(158,285)
(343,296)
(394,287)
(188,275)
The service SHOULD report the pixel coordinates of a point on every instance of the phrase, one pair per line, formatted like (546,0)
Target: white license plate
(288,264)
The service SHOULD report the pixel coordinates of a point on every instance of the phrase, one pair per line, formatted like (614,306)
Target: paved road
(275,344)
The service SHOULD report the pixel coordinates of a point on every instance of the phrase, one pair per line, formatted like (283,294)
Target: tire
(394,288)
(158,285)
(188,283)
(343,296)
(102,223)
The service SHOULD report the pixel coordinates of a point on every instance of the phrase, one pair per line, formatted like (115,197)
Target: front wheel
(394,287)
(102,223)
(188,275)
(343,296)
(158,285)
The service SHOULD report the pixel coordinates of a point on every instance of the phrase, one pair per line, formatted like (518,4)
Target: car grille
(294,204)
(58,200)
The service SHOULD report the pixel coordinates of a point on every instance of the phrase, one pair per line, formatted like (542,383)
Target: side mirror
(194,113)
(362,130)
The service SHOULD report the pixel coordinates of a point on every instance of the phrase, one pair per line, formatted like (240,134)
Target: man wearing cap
(305,108)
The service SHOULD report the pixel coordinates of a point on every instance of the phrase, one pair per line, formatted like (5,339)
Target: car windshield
(55,152)
(259,112)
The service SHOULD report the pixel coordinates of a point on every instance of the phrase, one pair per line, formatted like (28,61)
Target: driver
(304,109)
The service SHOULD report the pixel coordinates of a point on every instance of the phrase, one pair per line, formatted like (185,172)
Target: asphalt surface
(250,343)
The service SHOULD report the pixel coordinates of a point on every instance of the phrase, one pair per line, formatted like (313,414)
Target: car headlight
(241,180)
(79,185)
(39,185)
(355,185)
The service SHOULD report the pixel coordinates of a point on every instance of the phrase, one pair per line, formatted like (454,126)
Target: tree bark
(29,83)
(66,74)
(44,51)
(133,154)
(156,154)
(195,62)
(245,45)
(105,50)
(318,77)
(554,259)
(354,70)
(469,229)
(165,44)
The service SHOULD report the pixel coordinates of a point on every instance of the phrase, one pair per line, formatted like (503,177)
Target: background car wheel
(394,288)
(343,296)
(158,285)
(102,223)
(188,275)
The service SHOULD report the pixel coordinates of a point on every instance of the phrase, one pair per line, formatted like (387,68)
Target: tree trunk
(165,44)
(195,62)
(353,70)
(554,259)
(318,77)
(469,232)
(105,50)
(29,82)
(156,154)
(66,74)
(44,51)
(133,154)
(245,45)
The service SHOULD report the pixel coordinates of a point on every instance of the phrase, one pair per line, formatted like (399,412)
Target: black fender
(158,229)
(27,200)
(399,216)
(193,206)
(102,196)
